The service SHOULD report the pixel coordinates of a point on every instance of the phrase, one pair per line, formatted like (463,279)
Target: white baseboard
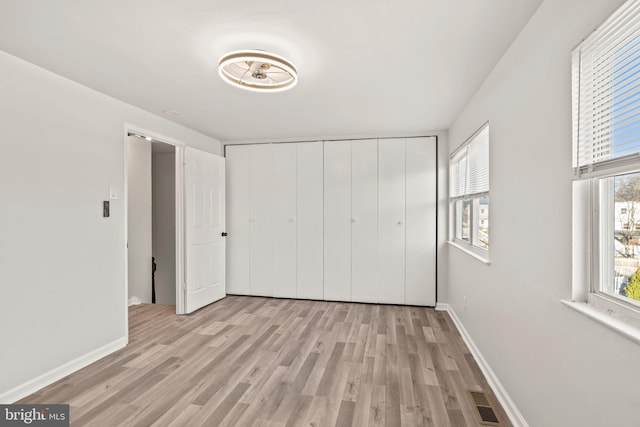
(501,394)
(55,374)
(443,307)
(134,301)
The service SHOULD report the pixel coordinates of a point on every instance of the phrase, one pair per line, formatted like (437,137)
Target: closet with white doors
(334,220)
(274,243)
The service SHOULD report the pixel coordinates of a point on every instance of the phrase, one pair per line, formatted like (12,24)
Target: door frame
(179,207)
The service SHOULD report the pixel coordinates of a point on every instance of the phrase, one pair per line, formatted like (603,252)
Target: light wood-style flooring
(249,361)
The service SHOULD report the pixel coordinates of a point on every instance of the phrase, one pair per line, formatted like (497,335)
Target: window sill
(605,318)
(479,257)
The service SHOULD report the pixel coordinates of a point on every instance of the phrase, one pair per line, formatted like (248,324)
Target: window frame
(593,193)
(456,203)
(587,298)
(599,215)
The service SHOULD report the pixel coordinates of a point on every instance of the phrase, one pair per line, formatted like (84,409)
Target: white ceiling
(366,68)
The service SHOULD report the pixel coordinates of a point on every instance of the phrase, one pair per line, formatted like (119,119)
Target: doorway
(195,209)
(163,222)
(152,259)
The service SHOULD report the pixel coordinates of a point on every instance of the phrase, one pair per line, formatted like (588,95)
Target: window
(606,164)
(469,193)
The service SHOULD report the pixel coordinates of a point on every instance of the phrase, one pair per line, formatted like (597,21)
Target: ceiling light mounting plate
(258,71)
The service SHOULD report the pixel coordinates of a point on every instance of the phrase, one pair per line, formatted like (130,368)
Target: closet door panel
(337,220)
(284,220)
(261,220)
(238,159)
(364,217)
(391,221)
(310,220)
(421,210)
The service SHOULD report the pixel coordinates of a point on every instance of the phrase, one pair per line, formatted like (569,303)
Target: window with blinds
(470,166)
(469,192)
(606,96)
(606,163)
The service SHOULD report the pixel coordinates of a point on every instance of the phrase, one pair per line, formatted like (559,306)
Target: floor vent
(484,410)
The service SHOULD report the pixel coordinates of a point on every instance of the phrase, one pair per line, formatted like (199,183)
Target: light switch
(113,193)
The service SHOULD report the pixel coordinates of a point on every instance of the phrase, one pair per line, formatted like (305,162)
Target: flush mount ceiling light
(258,71)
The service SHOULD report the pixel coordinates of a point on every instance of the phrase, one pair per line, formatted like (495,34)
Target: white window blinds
(469,166)
(606,95)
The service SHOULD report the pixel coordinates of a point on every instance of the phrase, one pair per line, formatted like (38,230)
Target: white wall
(139,219)
(164,230)
(62,284)
(443,218)
(560,368)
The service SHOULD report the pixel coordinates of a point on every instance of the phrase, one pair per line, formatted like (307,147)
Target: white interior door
(391,221)
(204,224)
(310,220)
(337,220)
(284,220)
(238,158)
(261,221)
(364,219)
(422,205)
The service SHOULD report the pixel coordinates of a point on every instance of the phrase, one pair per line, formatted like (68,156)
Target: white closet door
(337,220)
(310,220)
(238,215)
(391,221)
(261,220)
(284,220)
(422,205)
(364,217)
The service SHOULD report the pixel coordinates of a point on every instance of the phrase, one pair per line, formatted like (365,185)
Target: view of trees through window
(627,236)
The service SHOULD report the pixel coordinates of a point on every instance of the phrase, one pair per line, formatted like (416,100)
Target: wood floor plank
(184,417)
(253,361)
(424,413)
(352,387)
(392,396)
(345,414)
(318,414)
(362,406)
(299,414)
(377,416)
(227,405)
